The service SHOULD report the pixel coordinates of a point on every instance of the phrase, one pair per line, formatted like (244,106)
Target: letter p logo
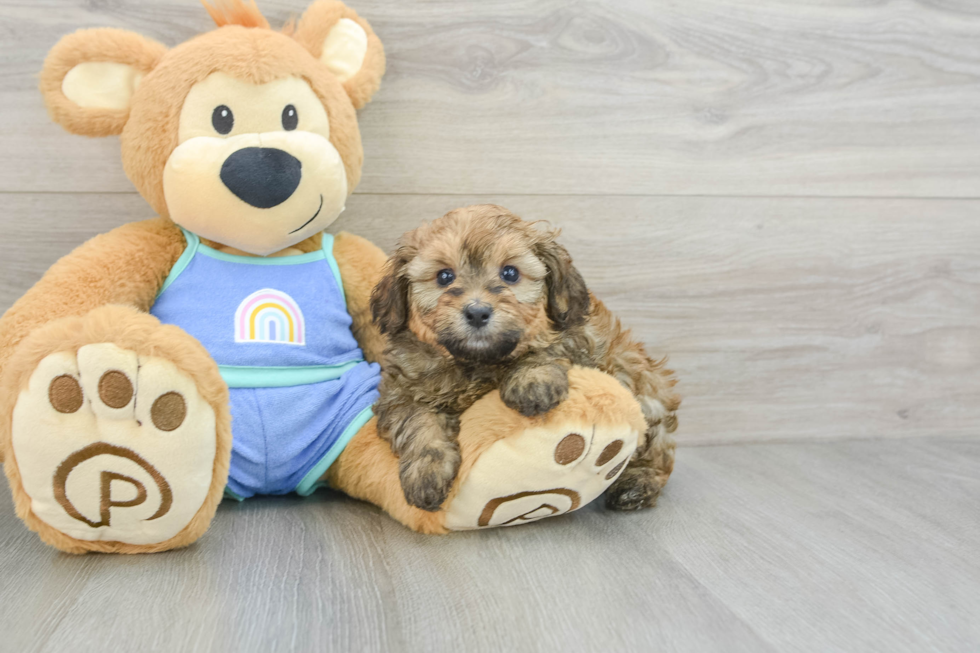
(106,477)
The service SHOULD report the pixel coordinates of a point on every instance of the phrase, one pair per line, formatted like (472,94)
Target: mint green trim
(280,377)
(193,242)
(328,252)
(231,495)
(261,260)
(311,481)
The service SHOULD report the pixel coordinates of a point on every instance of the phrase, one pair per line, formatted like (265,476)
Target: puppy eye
(445,277)
(289,118)
(222,119)
(509,274)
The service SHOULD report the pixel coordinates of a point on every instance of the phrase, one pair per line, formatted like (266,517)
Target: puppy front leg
(535,386)
(427,449)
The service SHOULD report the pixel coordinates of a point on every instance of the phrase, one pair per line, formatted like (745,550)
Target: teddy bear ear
(345,43)
(89,78)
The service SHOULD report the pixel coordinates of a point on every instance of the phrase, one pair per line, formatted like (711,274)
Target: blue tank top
(267,322)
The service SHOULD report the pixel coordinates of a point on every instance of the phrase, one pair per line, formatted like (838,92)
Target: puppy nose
(261,176)
(477,314)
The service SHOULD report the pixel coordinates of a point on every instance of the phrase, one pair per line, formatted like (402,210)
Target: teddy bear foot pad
(575,469)
(113,447)
(555,464)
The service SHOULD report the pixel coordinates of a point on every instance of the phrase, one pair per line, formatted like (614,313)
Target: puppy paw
(427,477)
(637,488)
(533,391)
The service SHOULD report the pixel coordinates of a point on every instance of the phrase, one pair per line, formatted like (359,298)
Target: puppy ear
(389,299)
(568,296)
(89,78)
(346,44)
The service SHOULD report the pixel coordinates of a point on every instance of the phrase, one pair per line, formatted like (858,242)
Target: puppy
(481,300)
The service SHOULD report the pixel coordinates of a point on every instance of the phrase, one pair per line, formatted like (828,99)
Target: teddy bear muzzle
(263,177)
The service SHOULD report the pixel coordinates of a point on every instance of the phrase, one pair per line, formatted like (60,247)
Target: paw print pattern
(113,446)
(116,391)
(573,446)
(557,470)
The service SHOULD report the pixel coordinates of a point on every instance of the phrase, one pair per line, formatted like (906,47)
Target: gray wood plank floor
(844,546)
(782,195)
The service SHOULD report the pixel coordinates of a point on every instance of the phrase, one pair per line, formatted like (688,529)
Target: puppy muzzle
(480,348)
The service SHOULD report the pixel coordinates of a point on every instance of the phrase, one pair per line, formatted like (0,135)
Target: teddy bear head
(243,135)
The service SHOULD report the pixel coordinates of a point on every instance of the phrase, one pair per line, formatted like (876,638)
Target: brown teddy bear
(226,347)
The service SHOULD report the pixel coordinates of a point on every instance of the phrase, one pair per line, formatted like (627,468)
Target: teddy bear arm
(124,266)
(361,264)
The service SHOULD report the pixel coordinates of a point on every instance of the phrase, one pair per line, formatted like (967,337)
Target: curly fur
(437,365)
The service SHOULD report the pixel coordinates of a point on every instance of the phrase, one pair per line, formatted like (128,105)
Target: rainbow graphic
(270,316)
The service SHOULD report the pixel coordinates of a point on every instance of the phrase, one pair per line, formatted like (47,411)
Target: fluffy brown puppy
(481,300)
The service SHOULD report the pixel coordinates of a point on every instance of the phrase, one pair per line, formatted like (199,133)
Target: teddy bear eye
(510,274)
(445,277)
(289,118)
(222,119)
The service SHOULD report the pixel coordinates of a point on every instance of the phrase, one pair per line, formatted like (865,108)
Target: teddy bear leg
(515,469)
(116,433)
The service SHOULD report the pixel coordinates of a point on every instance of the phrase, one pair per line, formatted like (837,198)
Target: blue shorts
(284,439)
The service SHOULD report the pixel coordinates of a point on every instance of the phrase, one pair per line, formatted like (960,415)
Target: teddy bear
(226,347)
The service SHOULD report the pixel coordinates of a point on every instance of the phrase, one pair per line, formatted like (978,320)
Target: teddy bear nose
(261,176)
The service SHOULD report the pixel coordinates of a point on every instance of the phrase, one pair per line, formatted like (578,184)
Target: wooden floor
(783,195)
(845,546)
